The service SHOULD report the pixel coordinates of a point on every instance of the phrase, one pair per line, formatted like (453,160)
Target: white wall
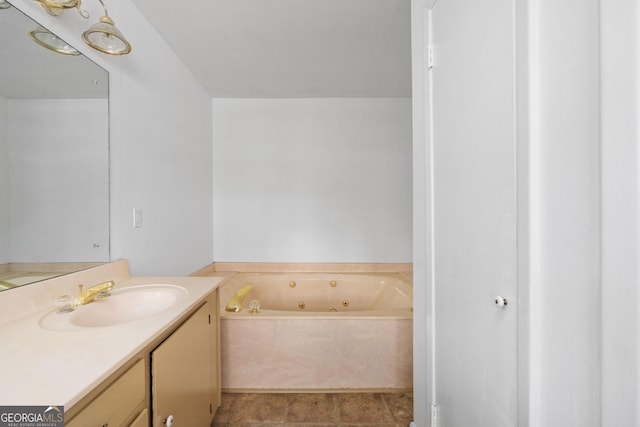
(160,145)
(620,213)
(568,213)
(59,182)
(4,184)
(161,154)
(312,180)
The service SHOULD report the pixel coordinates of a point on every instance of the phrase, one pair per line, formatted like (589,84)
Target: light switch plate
(137,218)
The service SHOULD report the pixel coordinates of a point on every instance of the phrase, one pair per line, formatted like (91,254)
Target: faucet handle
(80,288)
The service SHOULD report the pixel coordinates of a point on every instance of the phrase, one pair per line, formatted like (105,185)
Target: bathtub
(318,332)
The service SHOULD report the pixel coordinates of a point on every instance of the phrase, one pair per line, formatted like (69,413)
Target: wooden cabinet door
(181,374)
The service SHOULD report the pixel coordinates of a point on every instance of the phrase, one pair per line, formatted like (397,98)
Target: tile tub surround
(315,409)
(60,367)
(405,269)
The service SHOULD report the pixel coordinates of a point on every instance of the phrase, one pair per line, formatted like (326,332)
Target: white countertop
(44,367)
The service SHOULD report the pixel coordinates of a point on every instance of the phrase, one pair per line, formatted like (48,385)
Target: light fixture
(57,7)
(47,39)
(4,4)
(102,36)
(105,37)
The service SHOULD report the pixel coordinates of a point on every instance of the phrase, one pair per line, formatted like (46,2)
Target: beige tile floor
(318,410)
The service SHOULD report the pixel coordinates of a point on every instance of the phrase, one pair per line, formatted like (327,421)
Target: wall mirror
(54,156)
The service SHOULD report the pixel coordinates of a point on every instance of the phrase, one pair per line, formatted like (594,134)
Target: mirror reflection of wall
(54,158)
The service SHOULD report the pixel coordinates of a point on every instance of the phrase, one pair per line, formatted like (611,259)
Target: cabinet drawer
(141,420)
(114,405)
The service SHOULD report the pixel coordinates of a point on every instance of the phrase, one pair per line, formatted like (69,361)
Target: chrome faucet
(235,303)
(97,291)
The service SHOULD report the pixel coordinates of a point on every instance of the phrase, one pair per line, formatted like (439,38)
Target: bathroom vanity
(178,374)
(158,369)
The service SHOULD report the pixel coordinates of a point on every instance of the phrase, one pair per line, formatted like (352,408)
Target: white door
(474,204)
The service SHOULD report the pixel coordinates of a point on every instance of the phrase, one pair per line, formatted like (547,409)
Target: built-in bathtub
(318,331)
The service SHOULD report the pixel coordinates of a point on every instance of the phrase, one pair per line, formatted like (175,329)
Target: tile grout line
(234,406)
(389,411)
(287,402)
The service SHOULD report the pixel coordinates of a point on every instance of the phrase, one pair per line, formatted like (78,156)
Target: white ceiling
(290,48)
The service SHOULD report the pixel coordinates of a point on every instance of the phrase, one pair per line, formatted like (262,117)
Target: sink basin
(124,305)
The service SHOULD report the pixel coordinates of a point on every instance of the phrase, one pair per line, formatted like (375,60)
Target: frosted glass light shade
(106,38)
(47,39)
